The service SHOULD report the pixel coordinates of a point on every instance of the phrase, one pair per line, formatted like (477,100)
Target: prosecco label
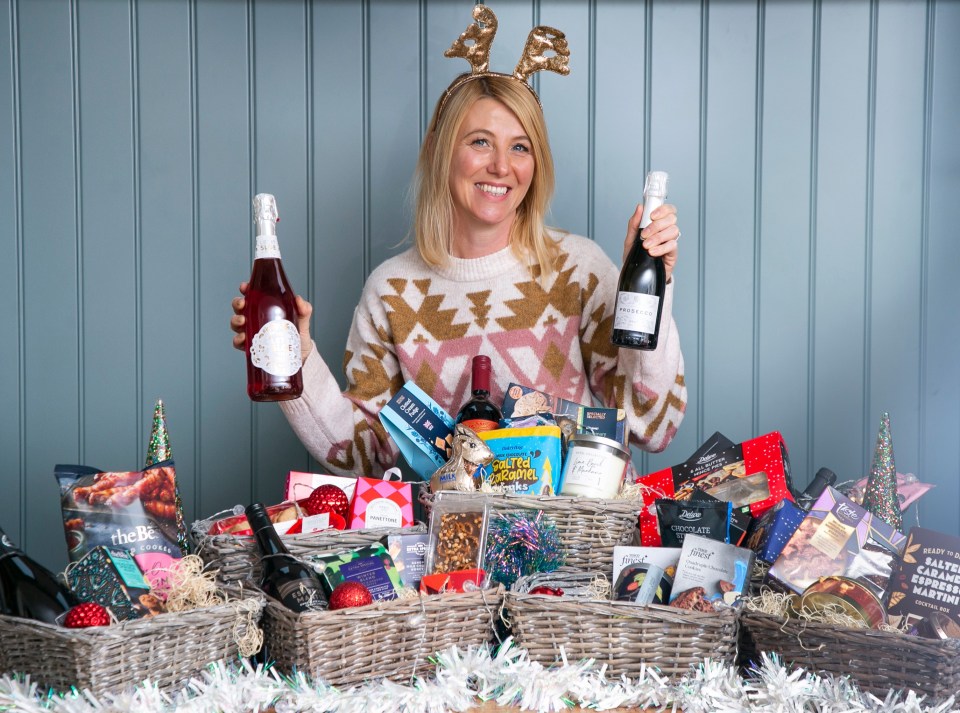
(636,312)
(267,247)
(276,348)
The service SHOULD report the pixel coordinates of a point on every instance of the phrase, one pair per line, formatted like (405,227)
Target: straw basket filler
(624,636)
(589,528)
(236,557)
(391,639)
(877,661)
(167,649)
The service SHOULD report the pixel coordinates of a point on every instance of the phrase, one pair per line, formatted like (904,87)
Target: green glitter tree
(880,497)
(159,450)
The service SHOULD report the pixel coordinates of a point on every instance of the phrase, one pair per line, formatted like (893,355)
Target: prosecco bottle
(28,589)
(479,413)
(814,490)
(272,339)
(643,280)
(285,578)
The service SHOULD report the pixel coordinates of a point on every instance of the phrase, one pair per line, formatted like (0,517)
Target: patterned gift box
(382,503)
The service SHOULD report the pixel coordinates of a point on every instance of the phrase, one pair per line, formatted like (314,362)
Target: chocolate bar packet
(740,518)
(129,510)
(678,519)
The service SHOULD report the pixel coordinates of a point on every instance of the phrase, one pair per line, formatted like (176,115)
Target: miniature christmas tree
(880,497)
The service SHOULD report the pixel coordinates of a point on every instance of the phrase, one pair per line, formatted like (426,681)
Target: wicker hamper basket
(392,639)
(236,558)
(168,648)
(877,661)
(589,527)
(621,635)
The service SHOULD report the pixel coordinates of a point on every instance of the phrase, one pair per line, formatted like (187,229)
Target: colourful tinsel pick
(521,543)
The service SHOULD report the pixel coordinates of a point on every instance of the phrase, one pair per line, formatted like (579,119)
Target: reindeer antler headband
(474,46)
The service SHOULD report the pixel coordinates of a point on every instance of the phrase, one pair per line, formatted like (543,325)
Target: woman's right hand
(238,322)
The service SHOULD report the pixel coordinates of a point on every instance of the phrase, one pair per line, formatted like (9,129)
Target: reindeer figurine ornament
(461,471)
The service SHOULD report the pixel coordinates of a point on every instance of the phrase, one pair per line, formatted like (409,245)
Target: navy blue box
(773,529)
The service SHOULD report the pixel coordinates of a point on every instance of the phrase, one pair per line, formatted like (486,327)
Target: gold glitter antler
(543,39)
(477,52)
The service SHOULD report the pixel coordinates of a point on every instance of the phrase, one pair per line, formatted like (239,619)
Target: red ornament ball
(554,591)
(326,498)
(85,615)
(350,594)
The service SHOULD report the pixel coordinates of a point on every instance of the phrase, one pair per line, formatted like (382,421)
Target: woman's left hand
(659,238)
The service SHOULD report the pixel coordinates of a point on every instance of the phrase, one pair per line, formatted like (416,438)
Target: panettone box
(837,538)
(754,474)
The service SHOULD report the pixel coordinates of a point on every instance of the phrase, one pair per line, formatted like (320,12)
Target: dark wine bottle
(273,341)
(643,280)
(479,413)
(28,589)
(814,490)
(285,578)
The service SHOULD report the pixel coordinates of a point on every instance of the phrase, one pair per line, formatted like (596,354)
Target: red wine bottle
(273,341)
(643,281)
(479,413)
(28,589)
(285,578)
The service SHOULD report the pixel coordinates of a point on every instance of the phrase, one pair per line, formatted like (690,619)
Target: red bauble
(326,498)
(555,591)
(86,614)
(350,594)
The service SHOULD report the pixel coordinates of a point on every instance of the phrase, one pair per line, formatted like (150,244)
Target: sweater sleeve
(342,429)
(648,385)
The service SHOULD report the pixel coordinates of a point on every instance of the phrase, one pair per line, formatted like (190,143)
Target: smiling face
(490,171)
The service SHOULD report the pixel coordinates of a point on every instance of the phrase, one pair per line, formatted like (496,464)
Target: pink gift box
(382,503)
(300,485)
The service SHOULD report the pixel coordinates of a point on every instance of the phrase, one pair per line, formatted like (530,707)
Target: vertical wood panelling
(894,373)
(167,217)
(227,465)
(108,238)
(673,134)
(727,390)
(939,460)
(812,153)
(282,169)
(785,230)
(11,285)
(51,338)
(840,235)
(339,175)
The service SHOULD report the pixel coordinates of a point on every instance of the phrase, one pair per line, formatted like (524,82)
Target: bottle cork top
(656,184)
(265,208)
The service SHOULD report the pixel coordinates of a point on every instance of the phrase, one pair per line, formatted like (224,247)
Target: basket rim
(559,502)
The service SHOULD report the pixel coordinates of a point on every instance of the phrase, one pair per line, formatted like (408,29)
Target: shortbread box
(753,474)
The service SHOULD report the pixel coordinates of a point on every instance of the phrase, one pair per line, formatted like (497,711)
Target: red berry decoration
(326,498)
(85,615)
(350,594)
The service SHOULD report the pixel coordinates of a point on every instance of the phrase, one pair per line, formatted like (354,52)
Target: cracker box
(519,401)
(526,460)
(770,534)
(371,566)
(926,581)
(422,430)
(300,485)
(754,474)
(382,503)
(837,537)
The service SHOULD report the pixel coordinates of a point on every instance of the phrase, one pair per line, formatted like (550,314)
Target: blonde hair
(433,210)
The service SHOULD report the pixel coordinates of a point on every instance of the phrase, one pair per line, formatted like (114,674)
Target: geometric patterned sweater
(422,323)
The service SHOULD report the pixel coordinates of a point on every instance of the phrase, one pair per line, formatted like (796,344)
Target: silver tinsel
(463,679)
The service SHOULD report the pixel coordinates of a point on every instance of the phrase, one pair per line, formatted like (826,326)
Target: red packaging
(287,519)
(300,485)
(382,503)
(760,466)
(461,580)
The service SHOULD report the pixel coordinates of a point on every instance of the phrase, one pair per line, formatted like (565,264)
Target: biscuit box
(422,430)
(837,538)
(770,534)
(519,401)
(754,474)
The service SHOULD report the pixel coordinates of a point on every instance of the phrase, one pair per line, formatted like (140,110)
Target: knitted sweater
(425,324)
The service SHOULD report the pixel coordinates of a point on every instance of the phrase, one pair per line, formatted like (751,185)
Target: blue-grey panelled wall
(813,154)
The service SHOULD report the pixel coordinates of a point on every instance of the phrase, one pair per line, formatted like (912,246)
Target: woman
(486,277)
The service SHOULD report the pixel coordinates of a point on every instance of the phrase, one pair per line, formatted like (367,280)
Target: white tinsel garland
(463,679)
